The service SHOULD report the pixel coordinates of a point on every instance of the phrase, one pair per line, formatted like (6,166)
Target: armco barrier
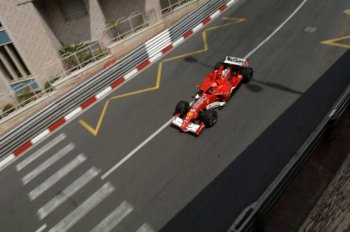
(252,217)
(67,107)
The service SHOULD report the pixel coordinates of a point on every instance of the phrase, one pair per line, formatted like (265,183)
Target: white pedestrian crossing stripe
(40,152)
(56,177)
(45,165)
(67,193)
(114,218)
(145,228)
(72,218)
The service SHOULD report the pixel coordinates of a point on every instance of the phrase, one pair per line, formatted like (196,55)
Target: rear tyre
(182,108)
(247,74)
(210,117)
(217,66)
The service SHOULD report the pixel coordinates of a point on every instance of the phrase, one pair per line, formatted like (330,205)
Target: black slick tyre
(182,108)
(210,117)
(217,66)
(247,74)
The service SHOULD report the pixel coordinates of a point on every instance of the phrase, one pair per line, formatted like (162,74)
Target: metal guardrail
(171,5)
(125,27)
(40,121)
(251,218)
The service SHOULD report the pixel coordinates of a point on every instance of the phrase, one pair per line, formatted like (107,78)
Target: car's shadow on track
(255,85)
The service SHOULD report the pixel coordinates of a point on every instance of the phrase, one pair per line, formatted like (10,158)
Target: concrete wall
(66,31)
(115,9)
(31,36)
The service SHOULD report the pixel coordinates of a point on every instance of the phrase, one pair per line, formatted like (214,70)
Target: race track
(172,181)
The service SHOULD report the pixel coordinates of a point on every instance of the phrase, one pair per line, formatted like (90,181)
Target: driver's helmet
(212,87)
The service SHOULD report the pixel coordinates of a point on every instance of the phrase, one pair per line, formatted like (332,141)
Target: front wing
(192,127)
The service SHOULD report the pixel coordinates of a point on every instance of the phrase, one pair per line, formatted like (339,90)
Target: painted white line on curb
(104,92)
(216,14)
(72,114)
(156,57)
(231,3)
(130,74)
(40,136)
(198,27)
(178,42)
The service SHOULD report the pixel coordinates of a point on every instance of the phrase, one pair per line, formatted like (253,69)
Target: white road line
(128,156)
(43,227)
(67,193)
(145,228)
(130,74)
(7,161)
(45,165)
(40,136)
(41,151)
(276,30)
(56,177)
(178,41)
(164,126)
(114,218)
(83,209)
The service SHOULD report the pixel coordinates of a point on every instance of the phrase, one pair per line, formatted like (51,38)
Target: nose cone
(186,122)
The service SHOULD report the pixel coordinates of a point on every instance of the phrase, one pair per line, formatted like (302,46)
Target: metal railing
(171,5)
(88,54)
(22,96)
(125,27)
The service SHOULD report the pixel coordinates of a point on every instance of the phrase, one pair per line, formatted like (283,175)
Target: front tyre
(247,74)
(210,117)
(182,108)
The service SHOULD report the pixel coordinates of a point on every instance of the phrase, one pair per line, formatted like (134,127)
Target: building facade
(33,31)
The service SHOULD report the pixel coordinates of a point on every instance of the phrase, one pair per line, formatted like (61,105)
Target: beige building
(33,31)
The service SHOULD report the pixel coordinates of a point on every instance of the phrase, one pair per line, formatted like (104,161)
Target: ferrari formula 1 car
(213,93)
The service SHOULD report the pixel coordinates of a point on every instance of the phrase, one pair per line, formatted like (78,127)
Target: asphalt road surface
(136,173)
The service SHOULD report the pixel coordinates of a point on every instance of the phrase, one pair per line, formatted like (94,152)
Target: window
(12,67)
(72,9)
(4,38)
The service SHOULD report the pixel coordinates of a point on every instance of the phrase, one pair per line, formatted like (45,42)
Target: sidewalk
(318,200)
(332,211)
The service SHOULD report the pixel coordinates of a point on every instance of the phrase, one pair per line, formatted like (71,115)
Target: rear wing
(236,61)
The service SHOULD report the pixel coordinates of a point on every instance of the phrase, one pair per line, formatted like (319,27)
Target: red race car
(213,93)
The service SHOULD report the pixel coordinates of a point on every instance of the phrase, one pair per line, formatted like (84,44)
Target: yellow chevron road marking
(339,42)
(95,130)
(336,42)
